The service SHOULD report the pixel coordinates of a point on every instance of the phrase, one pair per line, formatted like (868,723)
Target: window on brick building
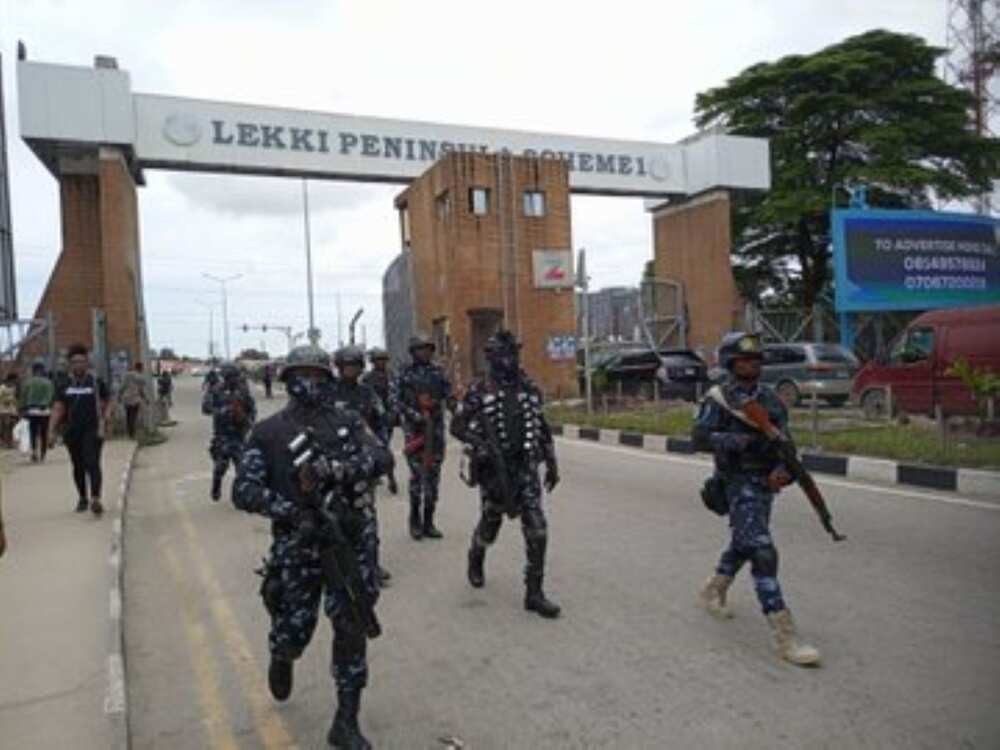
(442,205)
(534,203)
(479,201)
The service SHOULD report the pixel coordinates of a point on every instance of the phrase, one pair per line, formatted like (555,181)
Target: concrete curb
(965,481)
(116,698)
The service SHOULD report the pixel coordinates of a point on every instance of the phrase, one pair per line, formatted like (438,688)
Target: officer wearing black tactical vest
(502,422)
(309,469)
(749,474)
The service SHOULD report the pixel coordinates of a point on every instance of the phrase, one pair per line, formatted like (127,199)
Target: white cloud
(625,70)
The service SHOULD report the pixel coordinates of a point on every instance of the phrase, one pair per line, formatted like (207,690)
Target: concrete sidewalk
(56,608)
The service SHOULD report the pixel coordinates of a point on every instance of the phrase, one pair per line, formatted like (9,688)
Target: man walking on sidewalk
(133,396)
(36,406)
(81,405)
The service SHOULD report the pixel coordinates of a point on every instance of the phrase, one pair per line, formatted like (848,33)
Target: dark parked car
(679,372)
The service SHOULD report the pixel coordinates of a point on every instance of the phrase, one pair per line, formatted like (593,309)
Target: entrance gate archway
(97,137)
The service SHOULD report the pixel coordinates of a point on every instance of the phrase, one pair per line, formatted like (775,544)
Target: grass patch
(908,443)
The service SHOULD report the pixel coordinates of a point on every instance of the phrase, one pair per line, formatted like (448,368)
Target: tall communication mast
(973,40)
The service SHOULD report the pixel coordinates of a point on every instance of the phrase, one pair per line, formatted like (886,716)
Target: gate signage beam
(65,109)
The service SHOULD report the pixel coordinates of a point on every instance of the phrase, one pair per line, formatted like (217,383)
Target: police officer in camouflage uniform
(420,393)
(267,483)
(502,422)
(233,411)
(347,392)
(748,476)
(379,379)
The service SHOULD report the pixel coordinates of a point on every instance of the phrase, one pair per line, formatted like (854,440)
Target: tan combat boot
(713,596)
(787,643)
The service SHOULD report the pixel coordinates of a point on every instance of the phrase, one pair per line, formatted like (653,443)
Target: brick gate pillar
(692,243)
(98,267)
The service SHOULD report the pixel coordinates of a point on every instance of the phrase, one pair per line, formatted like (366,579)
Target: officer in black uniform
(269,483)
(502,422)
(379,379)
(748,475)
(420,394)
(348,392)
(233,411)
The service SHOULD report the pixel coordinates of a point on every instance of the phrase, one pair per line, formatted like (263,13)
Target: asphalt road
(906,614)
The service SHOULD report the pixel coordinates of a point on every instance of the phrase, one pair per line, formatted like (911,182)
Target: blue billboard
(914,260)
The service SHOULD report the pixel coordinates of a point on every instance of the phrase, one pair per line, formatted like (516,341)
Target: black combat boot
(477,556)
(82,505)
(392,485)
(430,530)
(534,598)
(216,486)
(345,732)
(279,677)
(416,529)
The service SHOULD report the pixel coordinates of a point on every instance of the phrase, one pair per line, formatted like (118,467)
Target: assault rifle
(755,415)
(337,556)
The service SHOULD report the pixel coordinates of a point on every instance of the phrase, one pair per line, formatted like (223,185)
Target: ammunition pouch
(713,494)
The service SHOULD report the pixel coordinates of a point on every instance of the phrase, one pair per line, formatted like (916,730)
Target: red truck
(917,362)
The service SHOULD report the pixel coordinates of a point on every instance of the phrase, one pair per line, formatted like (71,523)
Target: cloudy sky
(623,70)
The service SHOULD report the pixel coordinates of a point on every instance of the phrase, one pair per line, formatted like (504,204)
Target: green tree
(868,110)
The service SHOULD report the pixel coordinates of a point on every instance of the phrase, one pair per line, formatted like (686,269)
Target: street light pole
(222,281)
(211,326)
(313,333)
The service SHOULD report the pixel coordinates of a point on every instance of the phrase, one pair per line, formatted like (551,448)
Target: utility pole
(211,326)
(222,281)
(353,323)
(313,332)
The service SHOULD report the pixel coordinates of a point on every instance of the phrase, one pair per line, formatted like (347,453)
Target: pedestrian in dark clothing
(81,409)
(37,395)
(268,378)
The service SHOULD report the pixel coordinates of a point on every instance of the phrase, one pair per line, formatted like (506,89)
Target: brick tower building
(490,245)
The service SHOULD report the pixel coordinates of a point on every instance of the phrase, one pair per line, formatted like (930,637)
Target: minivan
(916,364)
(799,369)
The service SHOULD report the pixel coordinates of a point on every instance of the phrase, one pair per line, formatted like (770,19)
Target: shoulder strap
(715,394)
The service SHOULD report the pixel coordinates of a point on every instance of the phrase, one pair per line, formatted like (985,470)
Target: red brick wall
(98,264)
(692,242)
(458,260)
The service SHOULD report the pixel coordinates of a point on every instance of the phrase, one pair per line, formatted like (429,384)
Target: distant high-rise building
(397,308)
(614,314)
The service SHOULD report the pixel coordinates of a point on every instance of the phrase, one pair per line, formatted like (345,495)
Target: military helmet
(306,356)
(502,342)
(349,355)
(419,341)
(377,353)
(737,345)
(230,370)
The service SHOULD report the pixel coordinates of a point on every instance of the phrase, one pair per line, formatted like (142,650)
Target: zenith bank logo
(182,130)
(554,270)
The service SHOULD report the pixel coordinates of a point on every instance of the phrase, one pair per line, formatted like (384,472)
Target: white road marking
(820,478)
(115,604)
(114,701)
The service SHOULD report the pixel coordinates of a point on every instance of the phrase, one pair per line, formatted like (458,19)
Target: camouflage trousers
(527,504)
(225,449)
(750,502)
(424,481)
(294,588)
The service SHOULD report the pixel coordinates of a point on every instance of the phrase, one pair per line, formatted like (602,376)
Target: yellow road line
(216,717)
(270,726)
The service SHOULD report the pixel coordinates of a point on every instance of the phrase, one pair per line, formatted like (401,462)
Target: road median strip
(965,481)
